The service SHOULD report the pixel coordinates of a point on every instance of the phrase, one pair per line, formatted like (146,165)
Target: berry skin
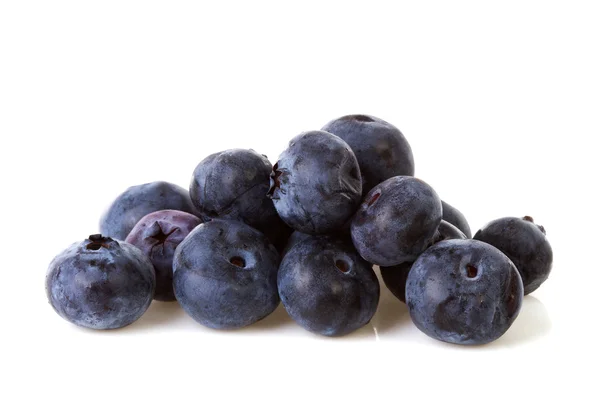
(463,292)
(525,244)
(326,287)
(380,148)
(397,221)
(278,234)
(137,201)
(295,238)
(395,276)
(233,184)
(158,234)
(315,184)
(100,283)
(225,275)
(456,218)
(447,231)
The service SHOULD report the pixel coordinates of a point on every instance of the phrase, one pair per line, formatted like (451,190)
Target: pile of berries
(306,231)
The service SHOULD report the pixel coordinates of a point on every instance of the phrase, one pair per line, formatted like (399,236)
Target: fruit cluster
(306,231)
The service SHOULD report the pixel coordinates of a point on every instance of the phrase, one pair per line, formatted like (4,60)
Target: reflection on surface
(391,314)
(159,313)
(393,318)
(391,322)
(533,322)
(276,319)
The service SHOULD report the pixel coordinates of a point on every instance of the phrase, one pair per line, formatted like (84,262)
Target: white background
(500,102)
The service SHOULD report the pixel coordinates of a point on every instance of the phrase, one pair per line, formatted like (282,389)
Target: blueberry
(395,276)
(326,287)
(464,292)
(278,233)
(447,231)
(233,184)
(100,283)
(525,244)
(137,201)
(225,275)
(315,184)
(295,238)
(456,218)
(158,234)
(397,221)
(380,148)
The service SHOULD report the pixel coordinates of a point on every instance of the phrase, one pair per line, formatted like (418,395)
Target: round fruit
(158,234)
(100,283)
(525,244)
(225,275)
(326,287)
(315,184)
(463,292)
(397,221)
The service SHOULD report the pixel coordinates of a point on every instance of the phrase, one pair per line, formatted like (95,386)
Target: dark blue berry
(233,184)
(326,287)
(464,292)
(295,238)
(225,274)
(395,276)
(447,231)
(397,221)
(316,184)
(525,244)
(100,283)
(380,148)
(456,218)
(138,201)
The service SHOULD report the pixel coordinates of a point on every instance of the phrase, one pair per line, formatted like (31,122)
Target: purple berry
(158,234)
